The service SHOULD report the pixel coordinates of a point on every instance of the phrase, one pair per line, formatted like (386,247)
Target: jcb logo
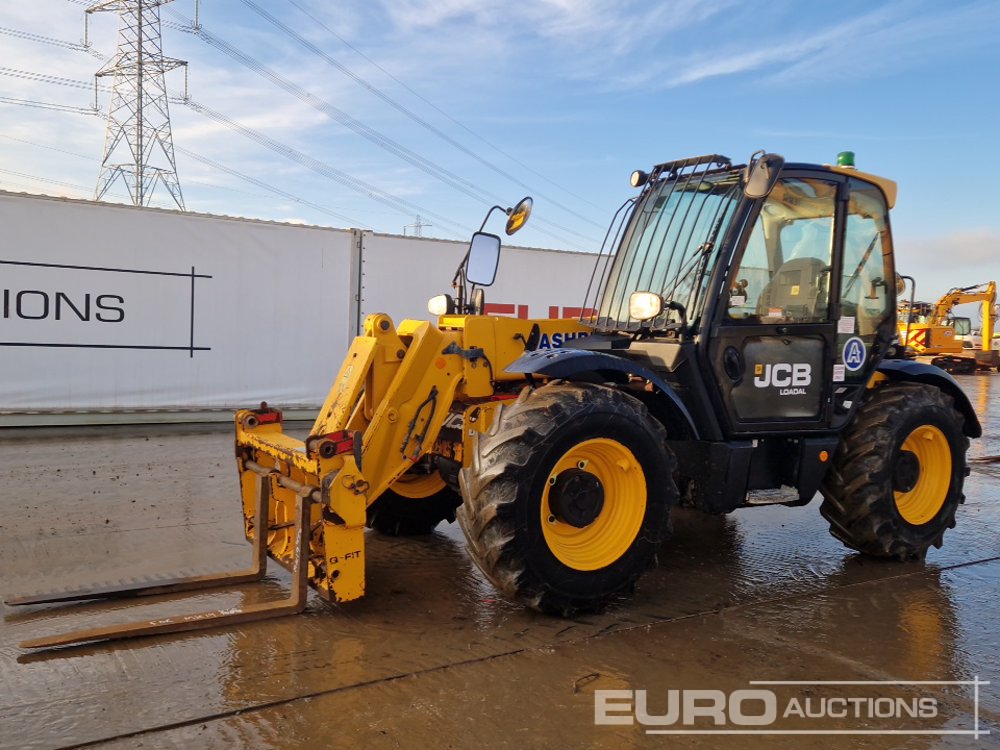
(783,375)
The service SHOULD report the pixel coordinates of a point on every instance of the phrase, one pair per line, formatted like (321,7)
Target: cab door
(773,337)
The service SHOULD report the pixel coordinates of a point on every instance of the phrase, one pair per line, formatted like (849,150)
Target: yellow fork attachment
(295,603)
(304,502)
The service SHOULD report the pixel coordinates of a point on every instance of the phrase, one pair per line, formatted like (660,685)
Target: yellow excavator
(738,334)
(932,331)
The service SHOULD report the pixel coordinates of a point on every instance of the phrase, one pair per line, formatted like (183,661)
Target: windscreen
(669,243)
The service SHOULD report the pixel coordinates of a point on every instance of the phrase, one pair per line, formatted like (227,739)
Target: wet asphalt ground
(431,657)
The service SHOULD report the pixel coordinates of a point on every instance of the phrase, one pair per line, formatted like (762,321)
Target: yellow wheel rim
(417,486)
(920,504)
(616,526)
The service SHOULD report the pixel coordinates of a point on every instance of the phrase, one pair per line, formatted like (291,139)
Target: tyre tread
(501,463)
(855,488)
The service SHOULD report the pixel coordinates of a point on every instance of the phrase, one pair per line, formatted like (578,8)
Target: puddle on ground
(433,656)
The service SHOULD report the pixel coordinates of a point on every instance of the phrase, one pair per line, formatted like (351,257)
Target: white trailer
(114,313)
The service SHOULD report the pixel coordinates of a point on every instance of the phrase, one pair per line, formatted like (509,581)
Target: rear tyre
(567,497)
(414,505)
(897,476)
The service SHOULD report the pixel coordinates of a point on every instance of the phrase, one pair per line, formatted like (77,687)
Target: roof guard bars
(671,167)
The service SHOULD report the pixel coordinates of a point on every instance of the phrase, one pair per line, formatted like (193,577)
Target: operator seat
(797,289)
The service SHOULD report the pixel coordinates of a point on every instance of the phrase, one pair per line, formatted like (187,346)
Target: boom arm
(985,293)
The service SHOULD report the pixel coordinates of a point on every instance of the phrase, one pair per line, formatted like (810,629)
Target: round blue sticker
(855,354)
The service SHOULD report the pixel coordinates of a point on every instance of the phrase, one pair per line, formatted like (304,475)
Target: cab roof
(887,186)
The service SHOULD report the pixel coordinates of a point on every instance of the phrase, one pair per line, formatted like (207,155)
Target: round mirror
(900,285)
(519,214)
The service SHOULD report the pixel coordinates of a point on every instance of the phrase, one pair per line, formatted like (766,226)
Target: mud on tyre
(567,498)
(896,480)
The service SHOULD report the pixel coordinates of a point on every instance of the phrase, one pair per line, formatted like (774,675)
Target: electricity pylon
(138,147)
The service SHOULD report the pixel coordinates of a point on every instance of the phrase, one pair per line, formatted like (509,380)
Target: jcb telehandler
(741,326)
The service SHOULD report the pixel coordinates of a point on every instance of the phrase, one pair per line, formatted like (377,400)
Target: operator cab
(762,294)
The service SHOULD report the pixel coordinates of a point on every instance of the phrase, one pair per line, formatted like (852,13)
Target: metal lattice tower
(139,147)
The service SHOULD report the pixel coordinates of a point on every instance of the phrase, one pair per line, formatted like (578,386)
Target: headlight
(644,305)
(443,304)
(638,178)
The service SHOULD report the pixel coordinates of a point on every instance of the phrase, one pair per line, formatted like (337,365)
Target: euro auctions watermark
(801,707)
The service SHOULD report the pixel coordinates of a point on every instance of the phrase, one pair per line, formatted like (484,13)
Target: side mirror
(877,283)
(519,215)
(900,285)
(484,255)
(761,174)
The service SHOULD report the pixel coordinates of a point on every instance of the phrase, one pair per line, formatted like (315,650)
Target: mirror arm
(909,313)
(751,162)
(671,305)
(488,215)
(458,271)
(465,258)
(458,284)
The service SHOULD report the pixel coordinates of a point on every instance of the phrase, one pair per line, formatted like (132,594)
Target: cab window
(784,274)
(865,291)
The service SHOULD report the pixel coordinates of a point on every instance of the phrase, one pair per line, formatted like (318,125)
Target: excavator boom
(935,333)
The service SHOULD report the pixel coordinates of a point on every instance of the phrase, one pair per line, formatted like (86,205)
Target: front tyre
(567,497)
(414,505)
(897,477)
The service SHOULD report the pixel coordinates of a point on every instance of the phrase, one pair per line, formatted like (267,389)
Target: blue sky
(561,99)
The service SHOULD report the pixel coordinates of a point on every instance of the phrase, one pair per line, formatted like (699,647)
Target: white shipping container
(111,308)
(399,275)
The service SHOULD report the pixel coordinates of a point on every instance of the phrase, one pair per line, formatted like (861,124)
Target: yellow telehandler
(738,334)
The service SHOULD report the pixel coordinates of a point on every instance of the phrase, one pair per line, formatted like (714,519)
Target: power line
(398,204)
(29,36)
(271,188)
(404,110)
(80,188)
(425,165)
(371,134)
(440,111)
(322,168)
(49,148)
(217,166)
(168,24)
(46,78)
(49,105)
(44,179)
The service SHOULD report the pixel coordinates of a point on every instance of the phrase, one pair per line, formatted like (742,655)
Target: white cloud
(495,67)
(973,257)
(578,39)
(757,52)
